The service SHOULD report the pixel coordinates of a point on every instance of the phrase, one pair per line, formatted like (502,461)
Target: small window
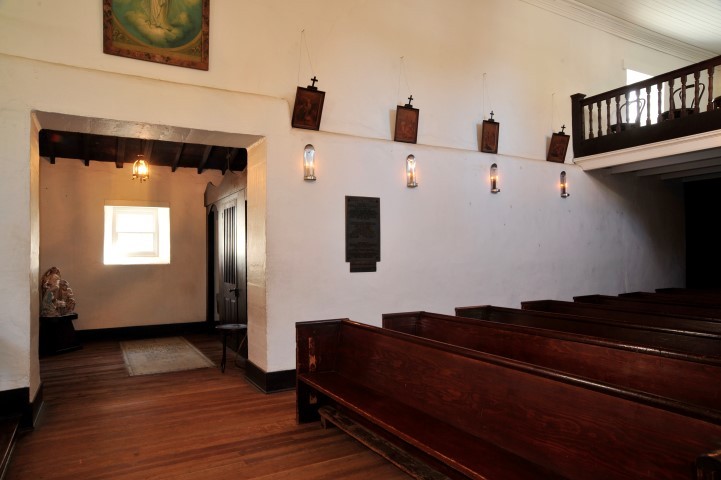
(136,235)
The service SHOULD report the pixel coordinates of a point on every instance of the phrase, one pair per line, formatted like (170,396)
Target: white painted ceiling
(695,22)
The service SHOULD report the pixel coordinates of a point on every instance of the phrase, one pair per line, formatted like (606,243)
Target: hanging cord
(483,106)
(304,41)
(402,74)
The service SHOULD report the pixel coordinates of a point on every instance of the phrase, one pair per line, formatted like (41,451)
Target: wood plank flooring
(100,423)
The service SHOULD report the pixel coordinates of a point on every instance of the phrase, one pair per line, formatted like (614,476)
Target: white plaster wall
(447,243)
(72,198)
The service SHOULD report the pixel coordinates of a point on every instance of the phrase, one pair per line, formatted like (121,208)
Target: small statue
(57,296)
(65,301)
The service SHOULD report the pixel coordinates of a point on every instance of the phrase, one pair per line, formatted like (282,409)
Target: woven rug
(160,355)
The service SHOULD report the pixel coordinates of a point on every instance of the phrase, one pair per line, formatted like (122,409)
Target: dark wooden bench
(691,380)
(682,341)
(486,417)
(686,299)
(632,304)
(617,313)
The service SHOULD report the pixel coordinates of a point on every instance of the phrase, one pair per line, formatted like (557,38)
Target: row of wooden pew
(599,388)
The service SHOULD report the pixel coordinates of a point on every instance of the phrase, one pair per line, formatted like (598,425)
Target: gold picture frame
(161,31)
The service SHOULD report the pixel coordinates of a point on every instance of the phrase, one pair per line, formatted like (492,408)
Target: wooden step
(8,436)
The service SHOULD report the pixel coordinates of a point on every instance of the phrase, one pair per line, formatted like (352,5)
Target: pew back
(694,343)
(618,314)
(577,428)
(636,304)
(688,379)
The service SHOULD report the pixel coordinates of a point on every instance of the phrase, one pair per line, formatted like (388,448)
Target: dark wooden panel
(552,420)
(617,313)
(689,379)
(690,342)
(647,306)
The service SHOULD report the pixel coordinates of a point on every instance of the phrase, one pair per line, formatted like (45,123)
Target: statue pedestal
(57,335)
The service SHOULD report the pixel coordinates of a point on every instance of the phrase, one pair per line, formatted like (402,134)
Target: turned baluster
(671,103)
(627,107)
(618,113)
(710,90)
(590,120)
(638,106)
(659,91)
(600,122)
(648,104)
(696,99)
(608,116)
(683,96)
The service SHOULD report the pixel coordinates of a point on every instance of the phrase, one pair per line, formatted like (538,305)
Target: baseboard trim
(144,331)
(269,382)
(16,402)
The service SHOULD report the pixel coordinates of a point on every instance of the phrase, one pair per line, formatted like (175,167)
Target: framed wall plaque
(406,124)
(362,233)
(308,107)
(174,33)
(489,136)
(558,147)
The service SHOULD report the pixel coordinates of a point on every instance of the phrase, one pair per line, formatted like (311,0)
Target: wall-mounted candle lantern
(411,172)
(141,169)
(309,163)
(564,186)
(494,179)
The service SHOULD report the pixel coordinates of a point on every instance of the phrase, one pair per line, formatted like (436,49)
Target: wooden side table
(57,334)
(226,329)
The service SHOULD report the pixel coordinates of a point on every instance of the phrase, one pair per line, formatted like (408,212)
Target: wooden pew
(486,417)
(685,299)
(617,313)
(683,341)
(688,379)
(650,307)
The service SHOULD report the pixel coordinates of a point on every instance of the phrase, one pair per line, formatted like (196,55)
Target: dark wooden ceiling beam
(120,152)
(176,158)
(204,160)
(86,149)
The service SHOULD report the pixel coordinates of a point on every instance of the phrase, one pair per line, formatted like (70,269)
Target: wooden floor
(100,423)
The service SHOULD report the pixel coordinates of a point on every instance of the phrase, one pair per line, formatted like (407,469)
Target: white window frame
(114,254)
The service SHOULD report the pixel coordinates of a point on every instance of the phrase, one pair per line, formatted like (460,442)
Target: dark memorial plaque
(362,233)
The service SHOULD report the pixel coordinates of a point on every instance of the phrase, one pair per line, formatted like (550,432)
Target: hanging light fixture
(309,163)
(564,186)
(494,179)
(141,169)
(411,172)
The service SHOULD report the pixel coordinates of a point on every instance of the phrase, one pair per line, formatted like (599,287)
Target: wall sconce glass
(564,186)
(141,169)
(411,172)
(309,162)
(494,179)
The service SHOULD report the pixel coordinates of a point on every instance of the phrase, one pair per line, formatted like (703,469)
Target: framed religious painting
(406,124)
(558,147)
(489,136)
(308,107)
(173,32)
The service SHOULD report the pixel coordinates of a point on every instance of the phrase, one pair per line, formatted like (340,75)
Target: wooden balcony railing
(672,105)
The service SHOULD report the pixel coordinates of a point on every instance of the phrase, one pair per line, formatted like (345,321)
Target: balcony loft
(668,126)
